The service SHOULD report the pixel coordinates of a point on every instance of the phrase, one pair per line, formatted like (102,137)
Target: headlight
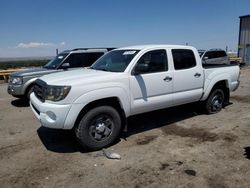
(56,93)
(16,80)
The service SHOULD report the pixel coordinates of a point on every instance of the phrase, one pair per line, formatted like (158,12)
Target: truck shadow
(60,141)
(247,152)
(20,103)
(161,118)
(63,141)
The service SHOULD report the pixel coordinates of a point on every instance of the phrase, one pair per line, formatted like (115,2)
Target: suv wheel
(215,101)
(99,127)
(29,91)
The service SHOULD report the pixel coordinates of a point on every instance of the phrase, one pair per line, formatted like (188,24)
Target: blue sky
(38,27)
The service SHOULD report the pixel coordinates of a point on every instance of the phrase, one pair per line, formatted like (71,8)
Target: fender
(209,84)
(92,96)
(27,84)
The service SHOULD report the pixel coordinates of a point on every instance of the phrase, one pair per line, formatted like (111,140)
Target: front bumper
(15,90)
(50,115)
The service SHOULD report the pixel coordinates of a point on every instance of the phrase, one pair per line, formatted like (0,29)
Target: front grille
(39,89)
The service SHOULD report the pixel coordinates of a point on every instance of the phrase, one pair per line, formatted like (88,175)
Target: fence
(6,73)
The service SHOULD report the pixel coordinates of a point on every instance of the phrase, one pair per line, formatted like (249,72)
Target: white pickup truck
(96,101)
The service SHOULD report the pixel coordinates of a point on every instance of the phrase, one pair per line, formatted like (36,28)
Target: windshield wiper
(103,69)
(48,67)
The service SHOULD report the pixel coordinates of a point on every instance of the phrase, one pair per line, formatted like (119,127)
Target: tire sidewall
(210,98)
(82,130)
(29,91)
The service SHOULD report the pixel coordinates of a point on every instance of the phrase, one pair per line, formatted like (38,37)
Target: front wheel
(215,101)
(28,93)
(99,127)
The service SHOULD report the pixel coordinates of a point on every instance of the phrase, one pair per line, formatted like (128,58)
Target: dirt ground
(177,147)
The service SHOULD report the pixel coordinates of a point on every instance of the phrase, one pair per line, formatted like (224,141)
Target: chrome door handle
(167,79)
(197,75)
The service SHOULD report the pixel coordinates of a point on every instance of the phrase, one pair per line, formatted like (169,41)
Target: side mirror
(65,65)
(140,68)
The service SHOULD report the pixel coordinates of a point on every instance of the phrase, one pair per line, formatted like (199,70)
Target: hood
(75,77)
(33,72)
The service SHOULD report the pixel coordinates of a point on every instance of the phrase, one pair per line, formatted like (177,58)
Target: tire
(98,128)
(28,92)
(215,101)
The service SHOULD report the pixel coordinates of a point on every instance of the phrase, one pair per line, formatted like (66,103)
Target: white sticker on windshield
(129,52)
(60,57)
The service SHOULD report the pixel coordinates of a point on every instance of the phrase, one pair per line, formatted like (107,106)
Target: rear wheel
(215,101)
(99,127)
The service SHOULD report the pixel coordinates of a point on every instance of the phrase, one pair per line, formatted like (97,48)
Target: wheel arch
(28,88)
(222,80)
(109,101)
(28,84)
(221,84)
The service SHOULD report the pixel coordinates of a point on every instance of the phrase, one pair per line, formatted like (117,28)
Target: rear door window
(221,54)
(92,57)
(183,59)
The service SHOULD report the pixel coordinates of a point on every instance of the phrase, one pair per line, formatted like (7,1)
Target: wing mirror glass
(140,68)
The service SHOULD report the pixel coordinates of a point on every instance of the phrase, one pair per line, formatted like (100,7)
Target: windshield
(52,64)
(115,61)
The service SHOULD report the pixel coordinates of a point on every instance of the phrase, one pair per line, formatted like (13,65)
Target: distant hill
(15,59)
(12,63)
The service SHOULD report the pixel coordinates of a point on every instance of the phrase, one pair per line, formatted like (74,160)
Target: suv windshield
(115,61)
(52,64)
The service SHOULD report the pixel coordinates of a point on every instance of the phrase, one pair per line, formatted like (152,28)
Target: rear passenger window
(82,59)
(221,54)
(92,57)
(183,59)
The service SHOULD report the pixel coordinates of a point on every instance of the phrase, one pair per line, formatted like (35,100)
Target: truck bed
(210,66)
(228,72)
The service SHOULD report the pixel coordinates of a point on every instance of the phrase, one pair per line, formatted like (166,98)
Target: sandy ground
(177,147)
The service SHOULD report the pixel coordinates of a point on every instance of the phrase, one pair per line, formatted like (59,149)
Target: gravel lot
(177,147)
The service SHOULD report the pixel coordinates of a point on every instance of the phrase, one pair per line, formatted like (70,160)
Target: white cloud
(62,43)
(34,45)
(27,49)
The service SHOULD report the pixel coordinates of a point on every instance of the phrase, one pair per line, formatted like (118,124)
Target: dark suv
(214,56)
(21,83)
